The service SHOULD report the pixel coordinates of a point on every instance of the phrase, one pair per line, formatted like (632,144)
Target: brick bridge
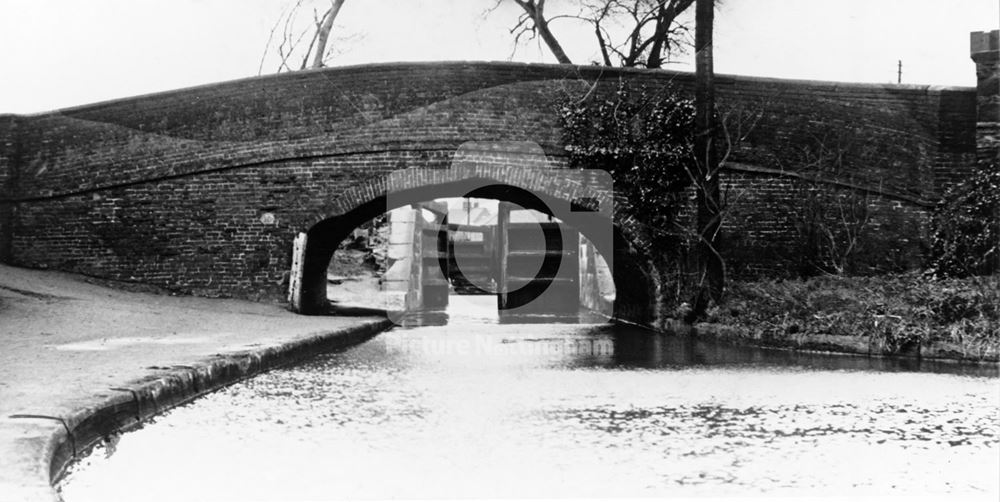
(202,190)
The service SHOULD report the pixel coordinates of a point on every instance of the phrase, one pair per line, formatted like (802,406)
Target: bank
(82,361)
(901,315)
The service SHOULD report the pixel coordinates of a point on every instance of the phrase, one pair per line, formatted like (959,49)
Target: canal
(475,408)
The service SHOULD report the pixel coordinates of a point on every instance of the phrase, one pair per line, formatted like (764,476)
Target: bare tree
(628,32)
(293,45)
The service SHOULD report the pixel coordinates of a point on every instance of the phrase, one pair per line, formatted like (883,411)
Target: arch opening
(633,278)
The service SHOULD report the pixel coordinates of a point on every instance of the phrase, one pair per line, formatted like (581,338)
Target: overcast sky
(59,53)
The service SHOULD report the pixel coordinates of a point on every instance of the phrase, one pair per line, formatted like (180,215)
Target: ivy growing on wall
(966,226)
(645,139)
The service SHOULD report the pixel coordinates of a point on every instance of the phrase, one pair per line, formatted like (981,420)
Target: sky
(61,53)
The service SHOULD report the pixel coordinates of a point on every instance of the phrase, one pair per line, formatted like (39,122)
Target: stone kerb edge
(125,408)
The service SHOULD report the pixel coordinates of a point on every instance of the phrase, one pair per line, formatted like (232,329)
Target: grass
(894,312)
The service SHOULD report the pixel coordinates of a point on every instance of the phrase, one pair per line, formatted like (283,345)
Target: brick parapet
(358,109)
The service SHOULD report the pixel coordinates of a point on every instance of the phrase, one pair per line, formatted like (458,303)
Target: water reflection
(640,348)
(477,409)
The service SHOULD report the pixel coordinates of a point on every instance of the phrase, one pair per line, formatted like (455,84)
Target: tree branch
(535,10)
(324,32)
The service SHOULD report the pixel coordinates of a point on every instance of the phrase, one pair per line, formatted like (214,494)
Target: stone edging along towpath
(35,449)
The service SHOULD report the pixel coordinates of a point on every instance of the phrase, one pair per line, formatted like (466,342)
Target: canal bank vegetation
(912,314)
(949,309)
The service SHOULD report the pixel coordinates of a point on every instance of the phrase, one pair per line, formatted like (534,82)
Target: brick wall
(956,152)
(984,48)
(788,227)
(9,160)
(170,189)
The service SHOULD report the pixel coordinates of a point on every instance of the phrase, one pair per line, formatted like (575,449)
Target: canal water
(478,409)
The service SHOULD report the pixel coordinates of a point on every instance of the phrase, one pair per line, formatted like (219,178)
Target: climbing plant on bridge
(966,225)
(645,139)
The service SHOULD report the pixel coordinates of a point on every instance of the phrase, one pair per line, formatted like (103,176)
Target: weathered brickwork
(984,48)
(177,189)
(956,152)
(773,226)
(9,161)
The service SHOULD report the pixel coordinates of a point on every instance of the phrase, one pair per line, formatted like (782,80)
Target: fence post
(295,279)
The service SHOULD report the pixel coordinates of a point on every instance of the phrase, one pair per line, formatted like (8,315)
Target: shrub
(965,236)
(895,311)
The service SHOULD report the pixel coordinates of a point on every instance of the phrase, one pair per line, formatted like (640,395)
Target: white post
(295,279)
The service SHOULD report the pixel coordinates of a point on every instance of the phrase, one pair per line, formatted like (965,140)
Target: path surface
(77,358)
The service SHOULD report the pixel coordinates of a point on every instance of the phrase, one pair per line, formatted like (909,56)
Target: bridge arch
(635,272)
